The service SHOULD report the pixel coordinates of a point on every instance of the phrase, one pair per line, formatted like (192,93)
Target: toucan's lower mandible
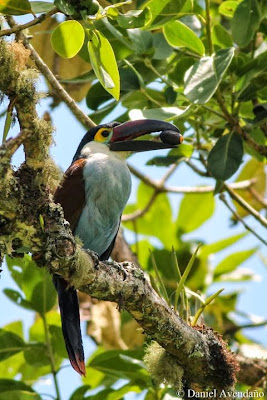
(93,194)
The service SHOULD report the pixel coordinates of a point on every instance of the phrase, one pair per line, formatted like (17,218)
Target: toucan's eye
(102,135)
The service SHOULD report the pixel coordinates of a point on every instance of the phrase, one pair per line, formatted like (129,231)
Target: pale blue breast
(107,189)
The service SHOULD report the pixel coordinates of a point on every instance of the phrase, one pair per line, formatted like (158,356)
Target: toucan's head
(120,137)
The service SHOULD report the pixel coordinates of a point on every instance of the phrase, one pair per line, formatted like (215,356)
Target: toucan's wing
(70,194)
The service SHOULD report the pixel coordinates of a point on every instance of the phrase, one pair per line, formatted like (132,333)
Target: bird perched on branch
(93,194)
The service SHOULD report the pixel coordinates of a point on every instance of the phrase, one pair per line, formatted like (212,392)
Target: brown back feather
(70,194)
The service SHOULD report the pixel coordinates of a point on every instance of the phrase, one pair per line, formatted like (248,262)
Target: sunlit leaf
(133,19)
(232,261)
(15,7)
(212,248)
(163,113)
(178,34)
(251,170)
(162,11)
(41,6)
(195,209)
(227,8)
(104,63)
(204,77)
(67,39)
(226,156)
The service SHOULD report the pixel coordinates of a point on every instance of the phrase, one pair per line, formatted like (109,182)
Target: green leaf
(227,8)
(79,393)
(67,39)
(133,19)
(142,40)
(37,355)
(65,7)
(162,49)
(252,169)
(26,274)
(17,298)
(195,209)
(19,395)
(215,247)
(10,344)
(226,156)
(163,113)
(7,125)
(162,11)
(232,262)
(15,7)
(97,95)
(41,6)
(104,63)
(7,385)
(43,296)
(182,151)
(121,364)
(178,34)
(150,223)
(57,340)
(245,22)
(221,37)
(204,77)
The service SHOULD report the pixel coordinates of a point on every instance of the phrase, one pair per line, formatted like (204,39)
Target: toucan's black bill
(124,134)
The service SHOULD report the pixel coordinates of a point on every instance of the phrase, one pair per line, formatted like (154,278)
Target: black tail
(70,320)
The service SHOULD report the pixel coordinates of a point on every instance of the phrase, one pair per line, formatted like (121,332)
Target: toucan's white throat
(102,150)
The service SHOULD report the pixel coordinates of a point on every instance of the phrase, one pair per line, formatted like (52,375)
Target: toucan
(93,194)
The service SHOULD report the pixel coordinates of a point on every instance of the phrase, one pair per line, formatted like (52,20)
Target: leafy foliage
(205,69)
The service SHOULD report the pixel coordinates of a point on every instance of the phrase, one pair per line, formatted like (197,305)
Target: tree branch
(35,21)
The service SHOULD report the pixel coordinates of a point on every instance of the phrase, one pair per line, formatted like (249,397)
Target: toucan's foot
(95,258)
(119,268)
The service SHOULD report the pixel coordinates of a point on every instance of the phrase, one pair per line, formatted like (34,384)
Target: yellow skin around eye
(98,136)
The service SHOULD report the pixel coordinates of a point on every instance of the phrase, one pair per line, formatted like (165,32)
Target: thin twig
(10,146)
(159,187)
(258,197)
(196,169)
(45,70)
(223,199)
(208,27)
(245,205)
(242,185)
(35,21)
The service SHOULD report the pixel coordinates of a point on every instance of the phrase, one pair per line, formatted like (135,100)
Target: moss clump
(163,367)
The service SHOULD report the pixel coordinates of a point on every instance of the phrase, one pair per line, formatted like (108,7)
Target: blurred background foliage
(203,66)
